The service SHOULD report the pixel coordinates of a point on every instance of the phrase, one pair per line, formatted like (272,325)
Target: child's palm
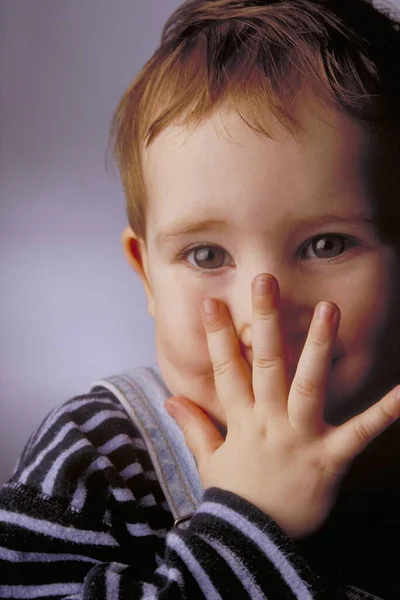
(278,453)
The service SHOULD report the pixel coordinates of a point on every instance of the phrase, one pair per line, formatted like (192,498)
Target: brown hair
(253,54)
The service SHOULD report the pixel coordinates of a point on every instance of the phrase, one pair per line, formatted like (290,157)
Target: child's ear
(136,255)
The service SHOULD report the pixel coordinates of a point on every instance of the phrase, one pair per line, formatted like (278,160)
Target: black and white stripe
(83,517)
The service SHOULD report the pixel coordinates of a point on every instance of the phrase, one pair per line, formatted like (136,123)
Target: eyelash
(348,240)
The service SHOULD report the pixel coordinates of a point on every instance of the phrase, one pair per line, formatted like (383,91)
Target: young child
(261,138)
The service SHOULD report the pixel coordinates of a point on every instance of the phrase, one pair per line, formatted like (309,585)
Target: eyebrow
(202,225)
(190,227)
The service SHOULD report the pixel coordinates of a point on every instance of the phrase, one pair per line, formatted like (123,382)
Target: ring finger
(307,393)
(231,372)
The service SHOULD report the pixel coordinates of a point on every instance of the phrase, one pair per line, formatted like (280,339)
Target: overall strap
(142,393)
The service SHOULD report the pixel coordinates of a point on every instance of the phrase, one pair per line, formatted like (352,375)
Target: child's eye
(329,245)
(208,257)
(323,247)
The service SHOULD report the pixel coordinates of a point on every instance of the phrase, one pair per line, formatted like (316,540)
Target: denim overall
(142,393)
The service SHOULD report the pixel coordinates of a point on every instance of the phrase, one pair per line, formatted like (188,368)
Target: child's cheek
(365,315)
(180,332)
(367,332)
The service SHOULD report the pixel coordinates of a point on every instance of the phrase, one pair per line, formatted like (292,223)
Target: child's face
(296,209)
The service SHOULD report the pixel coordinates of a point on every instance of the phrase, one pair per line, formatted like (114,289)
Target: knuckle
(362,432)
(320,341)
(387,413)
(222,367)
(187,428)
(305,386)
(265,363)
(215,323)
(265,313)
(321,336)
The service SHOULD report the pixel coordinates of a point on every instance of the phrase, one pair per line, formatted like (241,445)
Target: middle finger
(270,382)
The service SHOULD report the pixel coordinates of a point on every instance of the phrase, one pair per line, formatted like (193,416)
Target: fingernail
(210,307)
(327,311)
(264,286)
(171,408)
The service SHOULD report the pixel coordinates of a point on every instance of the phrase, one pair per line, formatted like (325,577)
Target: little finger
(349,439)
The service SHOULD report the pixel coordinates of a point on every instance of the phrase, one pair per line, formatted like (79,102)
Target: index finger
(231,372)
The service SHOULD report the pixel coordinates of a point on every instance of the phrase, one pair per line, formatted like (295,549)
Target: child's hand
(279,453)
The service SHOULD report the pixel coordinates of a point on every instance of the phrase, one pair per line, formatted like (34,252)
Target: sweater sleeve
(83,517)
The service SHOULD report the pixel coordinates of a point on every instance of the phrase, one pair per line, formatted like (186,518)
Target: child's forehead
(225,173)
(310,119)
(226,141)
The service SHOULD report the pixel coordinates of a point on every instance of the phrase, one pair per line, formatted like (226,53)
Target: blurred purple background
(71,310)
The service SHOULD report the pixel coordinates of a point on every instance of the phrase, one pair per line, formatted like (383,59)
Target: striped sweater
(83,517)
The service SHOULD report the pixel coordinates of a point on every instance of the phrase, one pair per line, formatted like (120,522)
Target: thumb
(201,435)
